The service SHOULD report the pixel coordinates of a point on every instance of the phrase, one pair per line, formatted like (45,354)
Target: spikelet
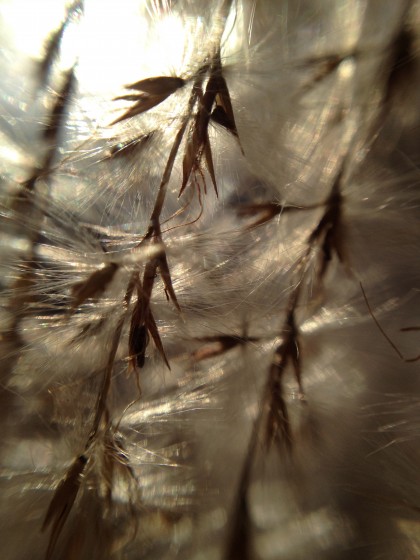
(209,307)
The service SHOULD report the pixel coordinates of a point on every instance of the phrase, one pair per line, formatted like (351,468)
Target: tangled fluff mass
(210,279)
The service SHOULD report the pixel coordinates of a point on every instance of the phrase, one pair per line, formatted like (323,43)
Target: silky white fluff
(323,93)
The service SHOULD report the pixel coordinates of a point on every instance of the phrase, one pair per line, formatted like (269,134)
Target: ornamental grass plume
(209,279)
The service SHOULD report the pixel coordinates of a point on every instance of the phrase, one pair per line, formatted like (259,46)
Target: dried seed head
(162,85)
(94,285)
(138,341)
(63,501)
(155,90)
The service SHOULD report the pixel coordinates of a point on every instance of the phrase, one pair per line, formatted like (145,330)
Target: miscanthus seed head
(209,284)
